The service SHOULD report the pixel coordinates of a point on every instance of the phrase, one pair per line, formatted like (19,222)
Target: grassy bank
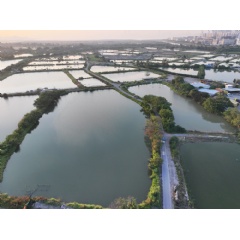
(75,81)
(18,202)
(181,199)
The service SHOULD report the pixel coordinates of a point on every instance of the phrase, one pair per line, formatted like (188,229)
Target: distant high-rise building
(238,40)
(227,41)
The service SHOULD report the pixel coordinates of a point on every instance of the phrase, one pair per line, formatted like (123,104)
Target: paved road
(166,186)
(113,84)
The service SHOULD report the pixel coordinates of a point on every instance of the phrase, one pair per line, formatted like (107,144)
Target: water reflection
(90,149)
(12,111)
(187,113)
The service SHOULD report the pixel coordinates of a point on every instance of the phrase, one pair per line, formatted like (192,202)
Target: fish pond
(7,63)
(210,74)
(212,173)
(20,83)
(130,76)
(187,113)
(91,149)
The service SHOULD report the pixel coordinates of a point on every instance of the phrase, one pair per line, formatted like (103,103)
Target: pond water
(235,60)
(204,63)
(181,70)
(109,69)
(91,149)
(53,67)
(4,64)
(109,53)
(196,51)
(12,111)
(221,58)
(23,55)
(187,113)
(207,55)
(177,63)
(130,76)
(164,58)
(212,173)
(211,74)
(69,62)
(91,82)
(79,73)
(18,83)
(72,57)
(121,61)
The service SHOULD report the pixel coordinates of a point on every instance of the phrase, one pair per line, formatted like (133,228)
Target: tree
(177,80)
(197,96)
(232,115)
(217,104)
(201,72)
(166,113)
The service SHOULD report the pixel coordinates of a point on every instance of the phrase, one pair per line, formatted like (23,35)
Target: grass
(94,58)
(18,202)
(75,81)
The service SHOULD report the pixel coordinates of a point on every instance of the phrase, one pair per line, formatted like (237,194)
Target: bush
(124,203)
(76,205)
(232,115)
(217,104)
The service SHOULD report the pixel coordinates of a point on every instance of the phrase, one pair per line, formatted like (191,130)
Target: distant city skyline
(84,35)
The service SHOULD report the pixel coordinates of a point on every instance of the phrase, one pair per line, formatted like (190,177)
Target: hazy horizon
(90,35)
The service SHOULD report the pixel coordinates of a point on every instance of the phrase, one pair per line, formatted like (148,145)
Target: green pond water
(91,149)
(212,173)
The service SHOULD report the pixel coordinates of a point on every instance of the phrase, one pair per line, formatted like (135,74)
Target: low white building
(228,86)
(200,85)
(211,92)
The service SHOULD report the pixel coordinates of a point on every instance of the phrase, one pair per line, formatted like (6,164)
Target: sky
(78,35)
(106,19)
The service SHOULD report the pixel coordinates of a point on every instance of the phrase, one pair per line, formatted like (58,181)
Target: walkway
(115,85)
(166,183)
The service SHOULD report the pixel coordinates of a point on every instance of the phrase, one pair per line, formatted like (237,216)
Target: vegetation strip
(153,135)
(18,202)
(76,82)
